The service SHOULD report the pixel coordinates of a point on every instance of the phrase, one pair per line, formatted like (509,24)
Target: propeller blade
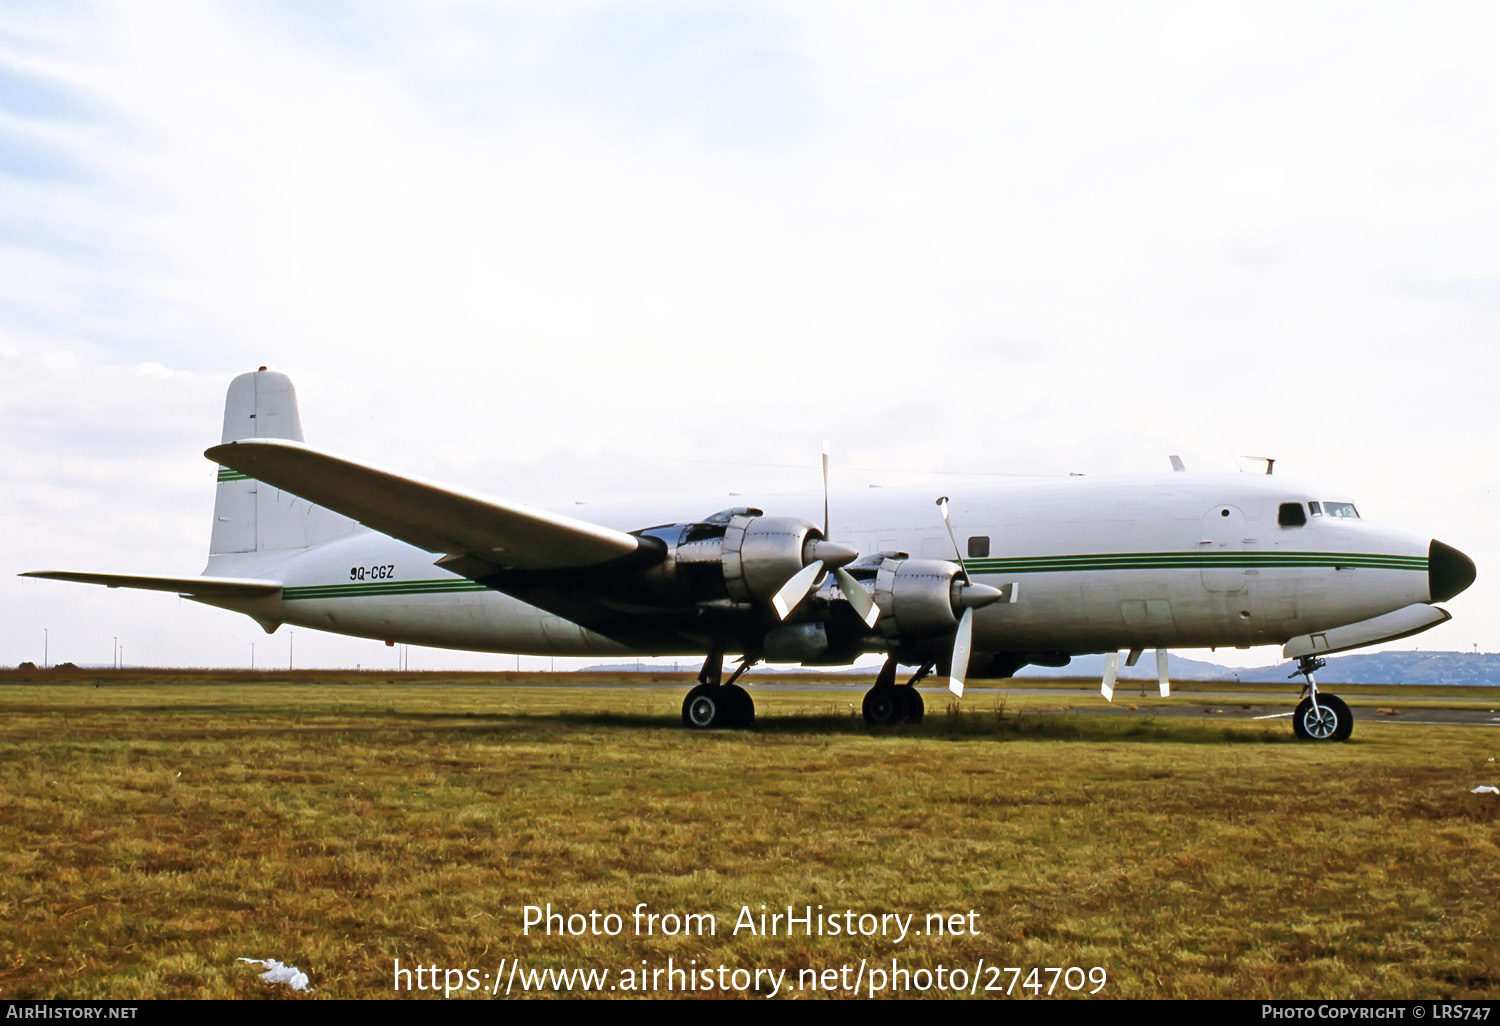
(825,488)
(1111,670)
(942,504)
(959,664)
(791,594)
(1163,684)
(864,605)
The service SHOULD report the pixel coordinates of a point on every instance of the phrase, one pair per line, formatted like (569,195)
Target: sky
(558,252)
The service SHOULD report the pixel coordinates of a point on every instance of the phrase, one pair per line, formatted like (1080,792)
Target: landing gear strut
(715,704)
(887,704)
(1319,717)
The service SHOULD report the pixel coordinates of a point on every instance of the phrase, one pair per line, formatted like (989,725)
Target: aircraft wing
(478,534)
(196,587)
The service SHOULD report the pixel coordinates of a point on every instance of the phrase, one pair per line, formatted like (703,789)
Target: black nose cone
(1448,571)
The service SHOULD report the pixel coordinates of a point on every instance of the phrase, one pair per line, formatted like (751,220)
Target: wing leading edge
(478,535)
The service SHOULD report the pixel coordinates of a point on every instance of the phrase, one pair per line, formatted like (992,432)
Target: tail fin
(250,516)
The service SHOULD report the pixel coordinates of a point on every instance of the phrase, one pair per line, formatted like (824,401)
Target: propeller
(969,596)
(820,554)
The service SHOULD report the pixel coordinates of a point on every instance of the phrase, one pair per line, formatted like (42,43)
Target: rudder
(250,516)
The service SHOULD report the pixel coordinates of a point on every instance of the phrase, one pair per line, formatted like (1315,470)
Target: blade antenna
(943,505)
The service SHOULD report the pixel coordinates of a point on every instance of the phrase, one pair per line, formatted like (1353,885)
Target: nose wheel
(1329,720)
(1319,717)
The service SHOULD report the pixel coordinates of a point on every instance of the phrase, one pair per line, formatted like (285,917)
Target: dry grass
(152,834)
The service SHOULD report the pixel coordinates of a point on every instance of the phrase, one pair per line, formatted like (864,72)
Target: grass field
(152,834)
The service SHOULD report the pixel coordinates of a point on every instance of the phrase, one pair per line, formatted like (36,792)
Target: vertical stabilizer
(261,404)
(250,516)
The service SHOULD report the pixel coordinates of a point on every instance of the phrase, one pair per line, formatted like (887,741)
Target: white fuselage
(1098,564)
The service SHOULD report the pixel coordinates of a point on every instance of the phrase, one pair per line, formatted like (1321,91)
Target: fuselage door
(1223,534)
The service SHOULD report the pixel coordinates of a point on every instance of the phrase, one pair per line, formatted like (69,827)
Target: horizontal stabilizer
(427,515)
(196,587)
(1403,623)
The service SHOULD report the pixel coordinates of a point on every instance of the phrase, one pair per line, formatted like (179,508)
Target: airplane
(1048,569)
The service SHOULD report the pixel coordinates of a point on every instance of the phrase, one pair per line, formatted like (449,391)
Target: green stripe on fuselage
(225,474)
(991,565)
(365,589)
(1218,560)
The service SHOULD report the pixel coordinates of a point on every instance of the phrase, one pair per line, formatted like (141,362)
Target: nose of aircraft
(1448,571)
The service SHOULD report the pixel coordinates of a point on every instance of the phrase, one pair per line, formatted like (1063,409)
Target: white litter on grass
(278,973)
(1485,789)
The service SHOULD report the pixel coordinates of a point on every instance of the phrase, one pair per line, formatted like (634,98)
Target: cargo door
(1223,535)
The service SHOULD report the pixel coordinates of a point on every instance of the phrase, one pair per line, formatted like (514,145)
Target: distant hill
(1360,668)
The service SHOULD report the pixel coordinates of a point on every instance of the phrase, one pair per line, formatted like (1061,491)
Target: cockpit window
(1315,508)
(1291,514)
(1341,509)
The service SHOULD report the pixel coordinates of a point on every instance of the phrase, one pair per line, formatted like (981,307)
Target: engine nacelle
(761,552)
(916,597)
(923,598)
(739,557)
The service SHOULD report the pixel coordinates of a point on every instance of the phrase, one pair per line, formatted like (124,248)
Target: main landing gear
(887,703)
(712,704)
(1319,717)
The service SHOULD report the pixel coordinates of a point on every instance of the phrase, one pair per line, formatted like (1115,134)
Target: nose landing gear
(1319,717)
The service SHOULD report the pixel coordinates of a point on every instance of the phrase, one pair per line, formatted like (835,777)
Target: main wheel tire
(1298,729)
(1331,722)
(1346,718)
(743,705)
(705,707)
(882,706)
(912,706)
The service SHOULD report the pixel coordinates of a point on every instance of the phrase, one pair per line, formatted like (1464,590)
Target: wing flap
(425,514)
(196,587)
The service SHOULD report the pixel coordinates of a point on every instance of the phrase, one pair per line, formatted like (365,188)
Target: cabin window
(1341,509)
(979,546)
(1316,509)
(1291,515)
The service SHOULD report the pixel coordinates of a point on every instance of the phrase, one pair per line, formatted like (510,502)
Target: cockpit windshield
(1341,509)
